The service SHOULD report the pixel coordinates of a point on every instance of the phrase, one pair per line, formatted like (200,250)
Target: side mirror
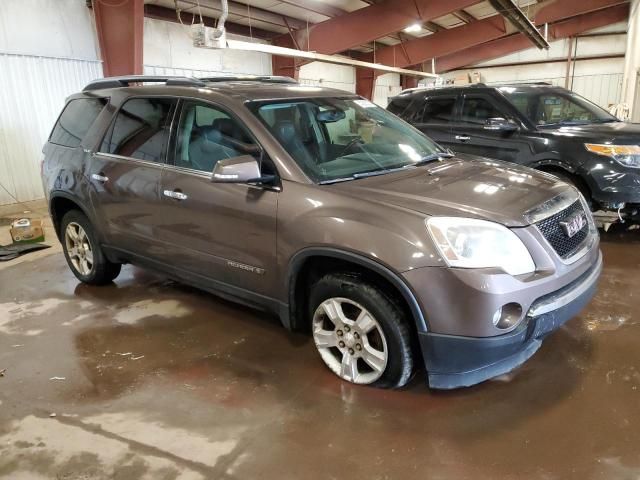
(500,124)
(243,169)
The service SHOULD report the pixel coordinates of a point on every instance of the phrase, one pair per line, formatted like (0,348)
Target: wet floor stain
(150,379)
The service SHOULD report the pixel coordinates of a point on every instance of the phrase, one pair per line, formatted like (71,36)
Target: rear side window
(438,110)
(76,120)
(141,129)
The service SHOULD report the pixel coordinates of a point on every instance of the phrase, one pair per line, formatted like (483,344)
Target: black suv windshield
(336,139)
(552,108)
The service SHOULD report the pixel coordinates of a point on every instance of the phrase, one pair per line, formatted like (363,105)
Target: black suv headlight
(626,155)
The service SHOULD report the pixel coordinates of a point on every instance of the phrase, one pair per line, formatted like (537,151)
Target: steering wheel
(349,145)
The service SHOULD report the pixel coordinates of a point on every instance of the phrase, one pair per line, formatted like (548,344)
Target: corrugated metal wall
(32,92)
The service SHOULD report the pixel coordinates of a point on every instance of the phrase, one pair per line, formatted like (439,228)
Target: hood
(614,132)
(462,186)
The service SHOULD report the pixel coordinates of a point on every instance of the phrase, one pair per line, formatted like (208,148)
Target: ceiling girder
(517,42)
(370,23)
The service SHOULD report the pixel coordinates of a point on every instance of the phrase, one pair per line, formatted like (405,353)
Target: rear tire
(360,333)
(83,252)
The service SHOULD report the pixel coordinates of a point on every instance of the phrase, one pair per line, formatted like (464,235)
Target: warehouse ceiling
(402,39)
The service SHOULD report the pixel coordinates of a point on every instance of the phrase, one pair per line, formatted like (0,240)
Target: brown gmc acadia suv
(331,212)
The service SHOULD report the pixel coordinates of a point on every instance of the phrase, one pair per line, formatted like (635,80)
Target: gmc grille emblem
(573,224)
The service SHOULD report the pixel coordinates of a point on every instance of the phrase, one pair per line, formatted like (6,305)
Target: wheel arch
(549,164)
(555,166)
(59,204)
(311,263)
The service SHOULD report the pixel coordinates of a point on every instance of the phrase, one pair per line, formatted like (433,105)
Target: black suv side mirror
(500,124)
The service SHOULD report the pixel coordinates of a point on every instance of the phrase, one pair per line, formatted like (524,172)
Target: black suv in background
(538,125)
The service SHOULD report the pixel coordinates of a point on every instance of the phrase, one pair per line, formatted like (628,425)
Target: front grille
(553,232)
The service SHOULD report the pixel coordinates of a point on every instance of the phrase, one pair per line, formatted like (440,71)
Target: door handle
(99,178)
(463,138)
(175,194)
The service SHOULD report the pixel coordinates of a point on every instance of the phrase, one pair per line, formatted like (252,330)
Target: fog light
(507,316)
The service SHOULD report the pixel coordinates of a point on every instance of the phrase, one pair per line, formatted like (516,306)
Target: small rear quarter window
(76,120)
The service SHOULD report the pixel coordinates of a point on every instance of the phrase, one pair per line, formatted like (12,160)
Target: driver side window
(207,135)
(477,110)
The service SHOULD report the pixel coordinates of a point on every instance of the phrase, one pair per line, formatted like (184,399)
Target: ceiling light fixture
(413,28)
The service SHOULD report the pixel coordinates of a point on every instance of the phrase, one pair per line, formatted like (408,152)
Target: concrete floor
(150,379)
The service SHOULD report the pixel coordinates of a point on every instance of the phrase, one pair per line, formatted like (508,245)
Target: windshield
(556,108)
(335,139)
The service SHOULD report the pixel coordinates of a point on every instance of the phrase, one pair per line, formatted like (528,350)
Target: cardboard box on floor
(27,230)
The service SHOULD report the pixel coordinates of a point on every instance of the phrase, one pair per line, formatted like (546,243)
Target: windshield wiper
(373,173)
(434,156)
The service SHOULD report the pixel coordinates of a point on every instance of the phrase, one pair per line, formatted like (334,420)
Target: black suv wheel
(361,335)
(82,251)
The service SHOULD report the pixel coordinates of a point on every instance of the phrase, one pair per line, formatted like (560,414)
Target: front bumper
(615,185)
(456,361)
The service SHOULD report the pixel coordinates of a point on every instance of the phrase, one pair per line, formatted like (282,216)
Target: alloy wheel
(78,248)
(350,340)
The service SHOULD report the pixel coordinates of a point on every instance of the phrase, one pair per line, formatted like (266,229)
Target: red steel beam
(589,21)
(119,25)
(563,9)
(441,43)
(367,24)
(517,42)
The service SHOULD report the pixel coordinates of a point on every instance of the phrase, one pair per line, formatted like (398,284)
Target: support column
(631,79)
(285,66)
(365,82)
(407,81)
(120,24)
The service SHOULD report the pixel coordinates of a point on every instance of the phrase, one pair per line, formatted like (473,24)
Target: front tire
(361,334)
(83,252)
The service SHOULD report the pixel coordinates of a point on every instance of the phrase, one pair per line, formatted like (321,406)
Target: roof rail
(249,78)
(524,83)
(116,82)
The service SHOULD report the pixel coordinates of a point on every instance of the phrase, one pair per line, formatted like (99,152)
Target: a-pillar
(120,24)
(631,81)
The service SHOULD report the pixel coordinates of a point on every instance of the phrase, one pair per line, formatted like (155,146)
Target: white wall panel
(32,93)
(52,28)
(387,86)
(169,46)
(321,74)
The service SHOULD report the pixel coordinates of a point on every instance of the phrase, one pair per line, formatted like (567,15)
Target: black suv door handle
(176,194)
(463,138)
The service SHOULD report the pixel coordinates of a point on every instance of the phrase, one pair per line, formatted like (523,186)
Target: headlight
(627,155)
(471,243)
